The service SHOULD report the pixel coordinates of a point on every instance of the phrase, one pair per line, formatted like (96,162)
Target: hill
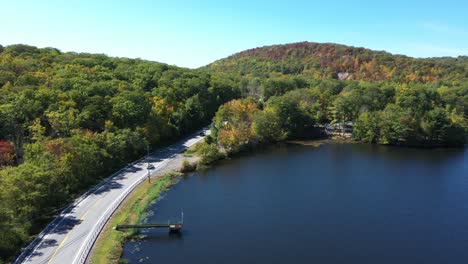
(302,87)
(68,120)
(334,61)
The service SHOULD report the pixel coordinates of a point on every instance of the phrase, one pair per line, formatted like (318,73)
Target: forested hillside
(298,88)
(68,120)
(334,61)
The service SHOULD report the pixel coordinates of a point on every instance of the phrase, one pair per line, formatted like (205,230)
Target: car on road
(150,167)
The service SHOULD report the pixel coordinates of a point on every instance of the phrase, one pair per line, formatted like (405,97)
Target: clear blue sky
(194,33)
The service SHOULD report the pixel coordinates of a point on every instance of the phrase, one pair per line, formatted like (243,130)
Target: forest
(420,115)
(68,120)
(311,60)
(294,90)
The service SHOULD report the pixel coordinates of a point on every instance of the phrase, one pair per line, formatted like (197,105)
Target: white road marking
(127,179)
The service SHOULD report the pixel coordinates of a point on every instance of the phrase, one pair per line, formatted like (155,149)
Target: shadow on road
(46,243)
(111,185)
(66,224)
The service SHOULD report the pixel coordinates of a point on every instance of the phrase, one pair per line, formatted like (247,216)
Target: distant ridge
(328,60)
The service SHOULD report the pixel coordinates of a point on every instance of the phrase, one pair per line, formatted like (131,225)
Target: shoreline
(340,140)
(320,142)
(108,247)
(134,206)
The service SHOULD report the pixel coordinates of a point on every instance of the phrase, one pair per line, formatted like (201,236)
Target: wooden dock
(174,227)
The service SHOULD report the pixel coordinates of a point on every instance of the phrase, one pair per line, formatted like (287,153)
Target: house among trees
(339,129)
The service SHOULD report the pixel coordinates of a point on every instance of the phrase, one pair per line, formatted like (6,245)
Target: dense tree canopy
(70,119)
(390,99)
(385,113)
(334,61)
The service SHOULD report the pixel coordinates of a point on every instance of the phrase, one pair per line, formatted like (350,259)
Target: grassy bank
(109,246)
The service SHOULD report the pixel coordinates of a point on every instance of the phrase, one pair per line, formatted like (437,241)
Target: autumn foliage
(233,124)
(334,61)
(6,153)
(75,118)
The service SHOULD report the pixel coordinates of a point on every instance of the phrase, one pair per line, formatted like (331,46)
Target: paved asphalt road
(69,237)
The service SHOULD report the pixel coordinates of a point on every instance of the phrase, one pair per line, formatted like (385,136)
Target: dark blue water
(336,203)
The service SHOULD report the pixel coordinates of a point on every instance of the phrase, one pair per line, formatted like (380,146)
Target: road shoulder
(109,245)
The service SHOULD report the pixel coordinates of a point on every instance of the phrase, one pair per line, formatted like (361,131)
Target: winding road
(70,236)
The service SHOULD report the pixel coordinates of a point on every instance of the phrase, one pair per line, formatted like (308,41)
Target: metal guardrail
(84,252)
(36,241)
(91,239)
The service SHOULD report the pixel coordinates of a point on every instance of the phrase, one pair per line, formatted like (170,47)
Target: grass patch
(195,150)
(109,245)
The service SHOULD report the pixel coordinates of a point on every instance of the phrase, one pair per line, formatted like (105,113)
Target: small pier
(174,227)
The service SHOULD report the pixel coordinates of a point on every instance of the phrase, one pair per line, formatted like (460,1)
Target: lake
(337,203)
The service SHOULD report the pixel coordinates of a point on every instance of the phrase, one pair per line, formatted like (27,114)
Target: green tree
(130,108)
(397,127)
(267,126)
(435,125)
(367,127)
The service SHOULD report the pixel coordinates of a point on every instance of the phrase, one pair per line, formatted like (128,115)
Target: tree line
(334,61)
(68,120)
(295,89)
(416,114)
